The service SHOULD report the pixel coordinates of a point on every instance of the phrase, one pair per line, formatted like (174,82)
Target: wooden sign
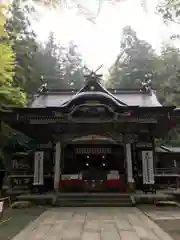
(91,102)
(48,145)
(20,165)
(148,169)
(95,151)
(1,207)
(21,181)
(38,168)
(144,145)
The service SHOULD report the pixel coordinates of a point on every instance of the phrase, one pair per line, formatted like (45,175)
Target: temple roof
(56,98)
(168,149)
(94,90)
(92,109)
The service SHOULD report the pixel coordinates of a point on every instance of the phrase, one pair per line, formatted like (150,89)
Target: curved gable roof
(94,90)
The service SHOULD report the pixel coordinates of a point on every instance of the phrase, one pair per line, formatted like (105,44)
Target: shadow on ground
(19,218)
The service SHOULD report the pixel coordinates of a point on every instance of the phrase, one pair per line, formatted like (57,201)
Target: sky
(99,42)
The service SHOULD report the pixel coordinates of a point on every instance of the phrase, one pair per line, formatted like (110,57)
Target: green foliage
(61,67)
(19,30)
(170,10)
(137,60)
(9,93)
(6,54)
(134,62)
(7,64)
(168,75)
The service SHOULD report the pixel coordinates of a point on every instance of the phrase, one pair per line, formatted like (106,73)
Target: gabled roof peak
(93,84)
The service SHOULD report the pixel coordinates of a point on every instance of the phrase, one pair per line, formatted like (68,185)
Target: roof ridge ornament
(93,76)
(44,86)
(146,84)
(42,89)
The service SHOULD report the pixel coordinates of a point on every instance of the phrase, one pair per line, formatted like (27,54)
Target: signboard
(144,145)
(148,168)
(38,168)
(20,181)
(1,207)
(20,165)
(92,102)
(93,151)
(48,145)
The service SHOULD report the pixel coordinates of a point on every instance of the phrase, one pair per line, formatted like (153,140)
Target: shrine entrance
(94,168)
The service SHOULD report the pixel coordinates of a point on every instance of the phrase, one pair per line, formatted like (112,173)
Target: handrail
(167,170)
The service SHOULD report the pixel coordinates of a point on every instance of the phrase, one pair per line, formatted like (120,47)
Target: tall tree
(170,10)
(73,68)
(10,94)
(134,63)
(61,67)
(20,32)
(168,75)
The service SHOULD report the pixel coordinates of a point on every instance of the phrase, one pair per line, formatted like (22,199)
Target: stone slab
(93,224)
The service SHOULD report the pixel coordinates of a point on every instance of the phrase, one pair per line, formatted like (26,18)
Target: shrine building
(93,139)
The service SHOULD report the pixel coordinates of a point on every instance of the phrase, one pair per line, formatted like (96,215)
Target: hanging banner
(147,167)
(38,168)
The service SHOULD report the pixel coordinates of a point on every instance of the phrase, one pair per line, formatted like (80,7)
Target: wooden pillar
(130,178)
(154,154)
(57,170)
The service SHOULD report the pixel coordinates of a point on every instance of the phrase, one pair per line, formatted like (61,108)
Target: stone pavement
(168,218)
(93,224)
(163,214)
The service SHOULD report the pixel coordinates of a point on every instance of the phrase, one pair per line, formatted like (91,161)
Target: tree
(137,61)
(61,67)
(71,63)
(9,93)
(168,75)
(19,30)
(170,10)
(134,63)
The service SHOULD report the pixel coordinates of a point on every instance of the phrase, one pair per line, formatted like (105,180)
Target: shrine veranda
(92,139)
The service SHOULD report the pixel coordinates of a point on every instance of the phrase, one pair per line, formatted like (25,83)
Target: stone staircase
(94,200)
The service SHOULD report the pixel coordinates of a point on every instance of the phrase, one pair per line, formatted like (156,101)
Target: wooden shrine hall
(93,139)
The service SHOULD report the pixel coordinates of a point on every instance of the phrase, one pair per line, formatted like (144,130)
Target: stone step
(89,196)
(92,204)
(94,201)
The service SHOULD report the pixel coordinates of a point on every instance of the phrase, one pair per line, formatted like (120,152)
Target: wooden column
(130,178)
(57,166)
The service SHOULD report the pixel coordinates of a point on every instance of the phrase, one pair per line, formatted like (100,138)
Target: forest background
(25,59)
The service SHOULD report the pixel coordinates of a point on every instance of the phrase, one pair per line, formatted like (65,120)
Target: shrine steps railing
(171,171)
